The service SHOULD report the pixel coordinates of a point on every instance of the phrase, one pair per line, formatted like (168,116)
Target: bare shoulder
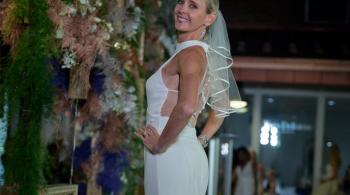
(192,59)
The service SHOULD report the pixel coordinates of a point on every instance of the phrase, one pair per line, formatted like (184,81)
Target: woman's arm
(191,70)
(234,179)
(253,158)
(212,125)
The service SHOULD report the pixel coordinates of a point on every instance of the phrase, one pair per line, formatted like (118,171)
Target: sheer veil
(222,85)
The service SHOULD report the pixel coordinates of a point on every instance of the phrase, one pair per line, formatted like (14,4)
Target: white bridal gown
(245,182)
(183,168)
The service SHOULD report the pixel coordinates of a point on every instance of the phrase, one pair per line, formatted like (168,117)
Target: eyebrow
(192,1)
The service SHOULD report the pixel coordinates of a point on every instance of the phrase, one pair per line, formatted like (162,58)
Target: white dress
(183,168)
(330,187)
(245,182)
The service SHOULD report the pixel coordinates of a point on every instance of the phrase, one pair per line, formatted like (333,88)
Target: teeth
(182,19)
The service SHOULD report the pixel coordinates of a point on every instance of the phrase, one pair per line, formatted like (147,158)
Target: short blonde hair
(212,5)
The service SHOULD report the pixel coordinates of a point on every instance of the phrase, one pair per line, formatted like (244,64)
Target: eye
(180,1)
(193,6)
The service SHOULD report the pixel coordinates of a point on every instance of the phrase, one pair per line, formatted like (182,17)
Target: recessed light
(329,144)
(331,103)
(270,100)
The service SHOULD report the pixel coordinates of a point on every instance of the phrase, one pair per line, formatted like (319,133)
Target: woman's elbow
(187,110)
(214,118)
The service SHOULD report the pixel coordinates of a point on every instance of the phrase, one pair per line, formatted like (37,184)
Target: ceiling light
(270,100)
(331,103)
(238,104)
(329,144)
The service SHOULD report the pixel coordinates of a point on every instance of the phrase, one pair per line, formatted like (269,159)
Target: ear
(210,18)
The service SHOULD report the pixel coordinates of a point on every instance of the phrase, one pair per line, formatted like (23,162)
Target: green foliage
(22,9)
(136,166)
(166,17)
(28,86)
(68,1)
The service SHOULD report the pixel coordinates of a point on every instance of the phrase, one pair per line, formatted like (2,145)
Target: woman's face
(243,157)
(191,15)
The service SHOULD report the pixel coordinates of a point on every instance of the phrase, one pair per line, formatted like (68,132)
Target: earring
(203,33)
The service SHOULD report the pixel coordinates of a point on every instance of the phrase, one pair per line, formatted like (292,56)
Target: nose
(182,8)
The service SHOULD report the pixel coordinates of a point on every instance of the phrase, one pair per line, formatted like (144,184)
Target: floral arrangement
(93,53)
(100,46)
(83,36)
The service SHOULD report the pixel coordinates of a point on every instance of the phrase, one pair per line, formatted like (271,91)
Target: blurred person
(270,185)
(244,172)
(345,185)
(329,182)
(260,177)
(304,187)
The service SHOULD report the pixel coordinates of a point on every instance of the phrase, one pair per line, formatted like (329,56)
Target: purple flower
(113,165)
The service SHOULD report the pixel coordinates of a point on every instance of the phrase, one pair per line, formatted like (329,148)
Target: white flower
(93,28)
(83,11)
(131,89)
(133,98)
(84,2)
(127,109)
(117,45)
(68,10)
(110,27)
(123,178)
(132,2)
(121,100)
(133,24)
(59,33)
(121,45)
(117,92)
(68,59)
(106,36)
(98,3)
(71,10)
(97,19)
(92,9)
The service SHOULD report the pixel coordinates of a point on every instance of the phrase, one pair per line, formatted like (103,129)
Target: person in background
(329,183)
(260,176)
(304,187)
(244,172)
(345,185)
(271,186)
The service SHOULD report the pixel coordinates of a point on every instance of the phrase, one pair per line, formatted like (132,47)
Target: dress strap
(184,45)
(189,43)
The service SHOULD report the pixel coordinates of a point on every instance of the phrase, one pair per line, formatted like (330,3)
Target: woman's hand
(149,137)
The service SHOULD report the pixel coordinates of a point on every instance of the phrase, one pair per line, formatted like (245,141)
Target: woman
(329,183)
(244,173)
(196,74)
(346,182)
(271,186)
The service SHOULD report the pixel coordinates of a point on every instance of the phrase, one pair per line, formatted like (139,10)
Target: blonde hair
(212,5)
(335,157)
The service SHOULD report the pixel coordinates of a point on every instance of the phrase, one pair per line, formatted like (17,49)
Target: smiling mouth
(181,19)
